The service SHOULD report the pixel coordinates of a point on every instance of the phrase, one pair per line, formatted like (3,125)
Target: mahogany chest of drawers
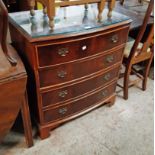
(75,68)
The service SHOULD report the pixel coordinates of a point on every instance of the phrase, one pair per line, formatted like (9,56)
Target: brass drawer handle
(104,93)
(109,58)
(62,111)
(62,74)
(107,77)
(63,94)
(114,39)
(63,52)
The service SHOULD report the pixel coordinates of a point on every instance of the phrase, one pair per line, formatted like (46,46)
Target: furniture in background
(13,79)
(122,1)
(73,68)
(136,52)
(50,7)
(11,5)
(136,16)
(16,5)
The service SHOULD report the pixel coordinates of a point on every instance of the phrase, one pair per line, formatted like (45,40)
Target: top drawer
(79,48)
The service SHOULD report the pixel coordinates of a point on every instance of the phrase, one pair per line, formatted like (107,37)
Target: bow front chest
(74,68)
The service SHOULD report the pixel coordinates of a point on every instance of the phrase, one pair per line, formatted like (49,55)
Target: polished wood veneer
(13,80)
(73,73)
(61,94)
(79,104)
(70,50)
(60,74)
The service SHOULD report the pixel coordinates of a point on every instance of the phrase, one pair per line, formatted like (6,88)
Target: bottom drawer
(81,104)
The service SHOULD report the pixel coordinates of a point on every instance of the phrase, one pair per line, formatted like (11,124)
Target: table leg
(27,121)
(121,2)
(86,7)
(111,5)
(32,5)
(51,12)
(101,6)
(44,10)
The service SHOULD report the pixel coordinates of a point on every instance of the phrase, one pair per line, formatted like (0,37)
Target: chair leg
(121,2)
(140,1)
(126,81)
(146,72)
(27,121)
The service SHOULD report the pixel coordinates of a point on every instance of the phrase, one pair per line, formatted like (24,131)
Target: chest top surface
(71,20)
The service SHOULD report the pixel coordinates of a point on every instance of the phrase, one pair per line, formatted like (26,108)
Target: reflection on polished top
(72,19)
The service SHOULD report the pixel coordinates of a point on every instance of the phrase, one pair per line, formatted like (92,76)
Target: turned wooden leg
(111,5)
(51,13)
(140,1)
(100,9)
(121,2)
(51,22)
(27,121)
(86,7)
(32,5)
(44,10)
(146,72)
(65,13)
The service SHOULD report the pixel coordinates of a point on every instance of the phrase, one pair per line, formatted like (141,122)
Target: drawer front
(78,105)
(64,52)
(58,96)
(67,72)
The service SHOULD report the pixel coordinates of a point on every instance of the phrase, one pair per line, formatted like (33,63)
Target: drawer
(65,73)
(77,49)
(58,96)
(74,107)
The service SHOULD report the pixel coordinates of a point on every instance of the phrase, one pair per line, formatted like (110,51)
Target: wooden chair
(13,79)
(136,52)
